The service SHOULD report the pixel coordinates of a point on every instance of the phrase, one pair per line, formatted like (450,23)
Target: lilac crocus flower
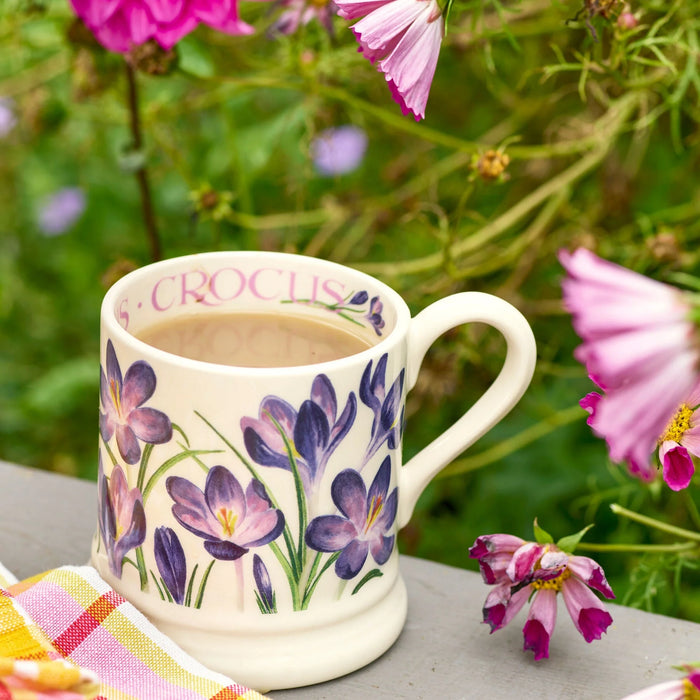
(402,38)
(638,347)
(312,434)
(339,150)
(122,400)
(388,422)
(298,13)
(539,572)
(8,120)
(61,210)
(683,689)
(122,519)
(229,520)
(374,315)
(264,594)
(170,559)
(364,524)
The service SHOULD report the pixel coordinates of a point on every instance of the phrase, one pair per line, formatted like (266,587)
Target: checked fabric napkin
(67,635)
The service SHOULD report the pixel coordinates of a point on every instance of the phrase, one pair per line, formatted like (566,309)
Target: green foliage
(599,124)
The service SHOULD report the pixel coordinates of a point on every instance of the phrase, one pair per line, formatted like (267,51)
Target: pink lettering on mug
(218,291)
(253,283)
(155,298)
(337,295)
(194,291)
(123,317)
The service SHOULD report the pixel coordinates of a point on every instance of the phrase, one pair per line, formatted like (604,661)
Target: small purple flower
(229,520)
(8,120)
(374,315)
(364,525)
(264,595)
(61,210)
(359,298)
(124,414)
(312,434)
(299,13)
(339,150)
(388,422)
(170,559)
(122,519)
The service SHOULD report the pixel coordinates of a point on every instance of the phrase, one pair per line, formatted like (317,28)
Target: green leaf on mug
(367,577)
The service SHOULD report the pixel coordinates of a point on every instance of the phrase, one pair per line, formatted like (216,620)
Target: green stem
(650,548)
(291,574)
(310,587)
(145,455)
(169,464)
(141,566)
(657,524)
(202,585)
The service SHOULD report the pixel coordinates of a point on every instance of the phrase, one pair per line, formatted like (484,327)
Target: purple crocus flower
(8,120)
(339,150)
(122,519)
(170,559)
(264,595)
(364,524)
(61,210)
(124,414)
(374,315)
(229,520)
(298,13)
(388,423)
(312,434)
(359,298)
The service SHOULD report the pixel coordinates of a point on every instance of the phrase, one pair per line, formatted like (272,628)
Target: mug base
(287,658)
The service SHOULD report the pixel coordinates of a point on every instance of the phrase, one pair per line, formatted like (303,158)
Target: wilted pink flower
(626,20)
(402,37)
(638,347)
(8,120)
(298,13)
(339,150)
(61,210)
(119,25)
(519,570)
(683,689)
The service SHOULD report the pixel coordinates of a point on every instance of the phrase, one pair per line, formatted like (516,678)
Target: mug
(251,513)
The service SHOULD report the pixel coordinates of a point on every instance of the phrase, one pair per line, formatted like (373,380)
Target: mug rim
(117,332)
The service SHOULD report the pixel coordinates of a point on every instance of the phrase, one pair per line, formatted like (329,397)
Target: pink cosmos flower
(519,570)
(402,37)
(638,347)
(683,689)
(121,24)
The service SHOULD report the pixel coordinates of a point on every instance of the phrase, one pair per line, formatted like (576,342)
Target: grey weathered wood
(47,520)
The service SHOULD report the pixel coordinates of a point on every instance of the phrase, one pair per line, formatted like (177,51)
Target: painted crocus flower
(124,414)
(298,13)
(8,120)
(638,347)
(388,422)
(170,559)
(264,595)
(311,435)
(686,688)
(540,571)
(364,524)
(680,440)
(374,315)
(122,519)
(229,520)
(402,38)
(339,150)
(61,210)
(119,25)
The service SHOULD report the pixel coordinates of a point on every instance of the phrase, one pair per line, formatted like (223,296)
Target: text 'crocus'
(639,347)
(402,38)
(520,571)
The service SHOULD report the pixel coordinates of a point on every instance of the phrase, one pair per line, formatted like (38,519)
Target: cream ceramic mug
(251,513)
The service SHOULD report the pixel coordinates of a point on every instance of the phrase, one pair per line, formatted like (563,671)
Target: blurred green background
(599,125)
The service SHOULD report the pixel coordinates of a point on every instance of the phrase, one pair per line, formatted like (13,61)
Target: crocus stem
(141,566)
(141,174)
(657,524)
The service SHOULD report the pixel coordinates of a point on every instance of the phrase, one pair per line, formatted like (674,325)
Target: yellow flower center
(690,692)
(679,424)
(228,519)
(375,508)
(553,584)
(116,399)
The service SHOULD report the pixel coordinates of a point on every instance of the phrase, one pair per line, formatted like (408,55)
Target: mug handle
(499,398)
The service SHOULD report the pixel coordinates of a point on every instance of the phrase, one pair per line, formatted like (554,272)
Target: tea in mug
(250,339)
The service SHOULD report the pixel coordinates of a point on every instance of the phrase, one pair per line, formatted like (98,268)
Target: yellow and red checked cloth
(66,635)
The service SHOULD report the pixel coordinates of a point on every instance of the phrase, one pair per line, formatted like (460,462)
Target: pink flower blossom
(638,347)
(541,571)
(402,37)
(339,150)
(119,25)
(298,13)
(683,689)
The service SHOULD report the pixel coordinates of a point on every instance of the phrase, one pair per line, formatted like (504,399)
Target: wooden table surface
(47,520)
